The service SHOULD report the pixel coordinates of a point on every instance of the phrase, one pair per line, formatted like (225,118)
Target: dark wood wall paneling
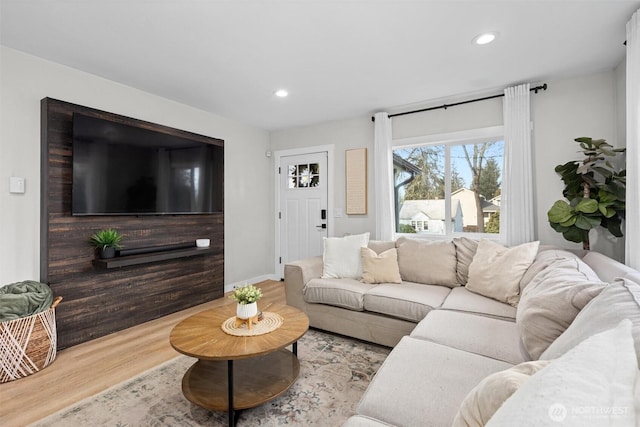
(98,302)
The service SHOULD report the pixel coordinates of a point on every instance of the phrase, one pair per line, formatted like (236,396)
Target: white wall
(344,135)
(475,115)
(581,106)
(25,80)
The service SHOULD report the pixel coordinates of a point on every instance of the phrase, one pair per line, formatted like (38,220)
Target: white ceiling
(338,59)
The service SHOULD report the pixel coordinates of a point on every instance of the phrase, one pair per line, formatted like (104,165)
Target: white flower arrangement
(246,294)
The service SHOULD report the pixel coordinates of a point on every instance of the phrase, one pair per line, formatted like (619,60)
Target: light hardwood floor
(89,368)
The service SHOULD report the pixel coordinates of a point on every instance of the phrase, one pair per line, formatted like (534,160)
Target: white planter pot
(246,311)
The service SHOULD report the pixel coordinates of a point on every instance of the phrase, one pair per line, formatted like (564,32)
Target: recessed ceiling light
(485,38)
(281,93)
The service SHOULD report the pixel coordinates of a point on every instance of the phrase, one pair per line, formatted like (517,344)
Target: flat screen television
(120,169)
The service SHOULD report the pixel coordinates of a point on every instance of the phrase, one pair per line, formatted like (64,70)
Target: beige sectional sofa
(450,342)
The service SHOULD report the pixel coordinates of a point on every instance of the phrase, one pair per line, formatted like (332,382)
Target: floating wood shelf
(128,260)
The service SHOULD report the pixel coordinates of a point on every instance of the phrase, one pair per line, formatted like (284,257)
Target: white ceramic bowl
(203,243)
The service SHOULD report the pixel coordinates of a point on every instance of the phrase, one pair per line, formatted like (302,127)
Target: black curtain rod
(445,106)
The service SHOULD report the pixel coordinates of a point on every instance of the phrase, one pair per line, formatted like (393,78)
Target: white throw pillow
(593,385)
(496,271)
(487,397)
(619,300)
(341,256)
(542,261)
(552,301)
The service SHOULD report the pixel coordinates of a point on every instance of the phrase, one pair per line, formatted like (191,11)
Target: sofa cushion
(465,251)
(379,246)
(593,384)
(620,300)
(427,262)
(423,383)
(607,268)
(341,256)
(496,271)
(543,260)
(487,397)
(634,276)
(487,336)
(409,301)
(552,300)
(345,293)
(463,300)
(380,268)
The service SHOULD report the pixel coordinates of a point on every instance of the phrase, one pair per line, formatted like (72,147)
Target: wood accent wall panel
(98,302)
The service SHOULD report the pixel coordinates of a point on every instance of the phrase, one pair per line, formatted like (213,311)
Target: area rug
(334,373)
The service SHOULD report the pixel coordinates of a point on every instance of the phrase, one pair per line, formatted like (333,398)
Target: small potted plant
(247,297)
(106,242)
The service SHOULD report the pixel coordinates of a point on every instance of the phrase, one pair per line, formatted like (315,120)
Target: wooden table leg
(232,419)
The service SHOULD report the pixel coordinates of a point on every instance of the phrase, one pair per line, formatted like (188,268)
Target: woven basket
(28,344)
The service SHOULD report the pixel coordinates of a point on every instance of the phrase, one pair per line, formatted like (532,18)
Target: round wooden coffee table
(235,373)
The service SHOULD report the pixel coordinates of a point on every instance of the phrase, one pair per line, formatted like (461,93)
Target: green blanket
(23,299)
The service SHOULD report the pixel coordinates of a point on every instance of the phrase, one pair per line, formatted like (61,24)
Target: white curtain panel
(383,172)
(517,213)
(632,232)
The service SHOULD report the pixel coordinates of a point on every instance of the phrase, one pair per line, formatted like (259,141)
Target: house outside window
(449,184)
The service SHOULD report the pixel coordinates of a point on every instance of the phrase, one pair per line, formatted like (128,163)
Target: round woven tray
(269,323)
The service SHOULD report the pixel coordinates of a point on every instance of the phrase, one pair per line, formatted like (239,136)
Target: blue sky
(458,160)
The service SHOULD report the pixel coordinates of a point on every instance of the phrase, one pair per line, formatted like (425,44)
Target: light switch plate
(16,185)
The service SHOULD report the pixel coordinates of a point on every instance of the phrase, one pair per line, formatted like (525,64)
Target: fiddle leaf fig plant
(594,191)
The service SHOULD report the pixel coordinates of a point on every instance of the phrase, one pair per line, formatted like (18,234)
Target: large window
(449,185)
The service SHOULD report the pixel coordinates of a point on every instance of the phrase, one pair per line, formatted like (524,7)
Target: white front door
(303,216)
